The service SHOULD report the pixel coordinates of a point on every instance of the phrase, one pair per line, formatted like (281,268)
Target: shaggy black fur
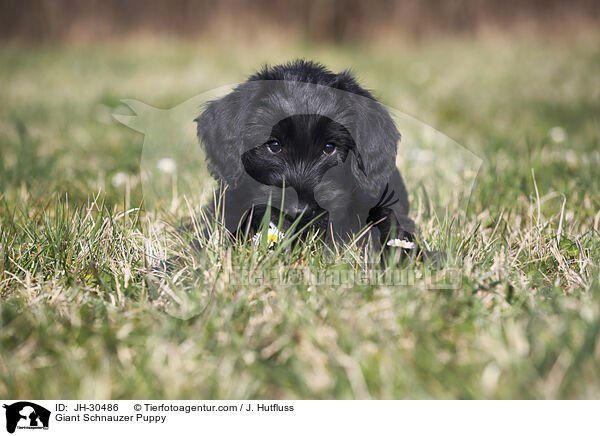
(316,142)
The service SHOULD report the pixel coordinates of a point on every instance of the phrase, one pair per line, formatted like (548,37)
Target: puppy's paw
(253,219)
(396,233)
(391,231)
(382,209)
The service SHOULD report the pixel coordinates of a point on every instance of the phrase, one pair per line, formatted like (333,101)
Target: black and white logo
(26,415)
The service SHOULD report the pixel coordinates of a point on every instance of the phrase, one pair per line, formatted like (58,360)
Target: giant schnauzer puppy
(312,146)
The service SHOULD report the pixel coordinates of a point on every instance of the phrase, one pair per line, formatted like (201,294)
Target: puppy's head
(299,151)
(289,125)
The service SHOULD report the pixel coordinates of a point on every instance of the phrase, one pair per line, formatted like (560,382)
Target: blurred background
(502,78)
(312,20)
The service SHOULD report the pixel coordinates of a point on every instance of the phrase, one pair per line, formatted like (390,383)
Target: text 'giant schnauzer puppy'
(314,142)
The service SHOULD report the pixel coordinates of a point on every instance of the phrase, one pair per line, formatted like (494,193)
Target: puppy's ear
(376,138)
(220,133)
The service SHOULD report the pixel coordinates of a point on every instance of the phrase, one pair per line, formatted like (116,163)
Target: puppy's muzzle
(304,215)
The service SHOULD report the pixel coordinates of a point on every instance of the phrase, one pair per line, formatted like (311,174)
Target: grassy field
(80,319)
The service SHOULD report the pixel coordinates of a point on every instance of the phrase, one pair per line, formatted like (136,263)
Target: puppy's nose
(302,211)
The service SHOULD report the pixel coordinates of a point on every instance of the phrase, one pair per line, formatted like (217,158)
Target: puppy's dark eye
(273,146)
(329,148)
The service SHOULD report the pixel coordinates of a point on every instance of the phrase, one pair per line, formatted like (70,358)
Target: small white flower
(557,134)
(167,165)
(273,236)
(401,243)
(119,179)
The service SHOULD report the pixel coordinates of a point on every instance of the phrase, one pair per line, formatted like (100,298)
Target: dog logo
(26,415)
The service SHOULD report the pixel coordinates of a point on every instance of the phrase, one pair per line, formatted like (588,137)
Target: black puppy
(313,141)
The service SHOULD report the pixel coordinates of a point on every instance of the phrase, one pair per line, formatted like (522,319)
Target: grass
(80,318)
